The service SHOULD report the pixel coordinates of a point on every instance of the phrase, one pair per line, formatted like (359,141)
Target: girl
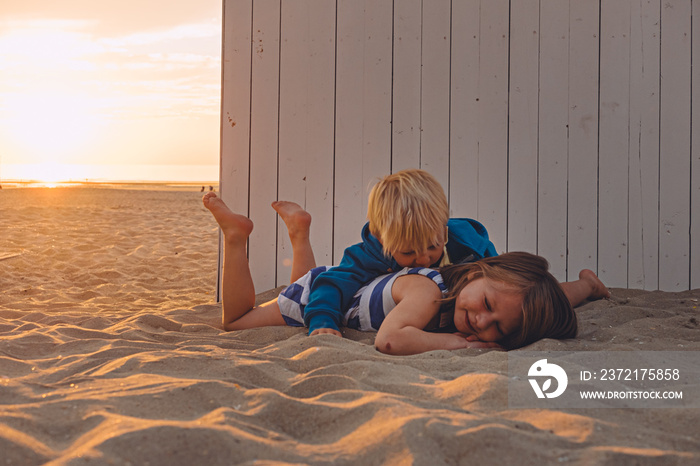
(509,300)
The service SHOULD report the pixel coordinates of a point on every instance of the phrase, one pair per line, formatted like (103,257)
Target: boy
(409,226)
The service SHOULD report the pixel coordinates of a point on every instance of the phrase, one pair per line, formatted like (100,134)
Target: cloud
(180,32)
(46,44)
(115,18)
(34,50)
(42,23)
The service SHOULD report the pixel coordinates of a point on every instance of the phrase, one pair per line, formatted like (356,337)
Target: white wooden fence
(565,126)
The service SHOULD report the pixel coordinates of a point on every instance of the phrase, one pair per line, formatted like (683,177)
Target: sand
(111,352)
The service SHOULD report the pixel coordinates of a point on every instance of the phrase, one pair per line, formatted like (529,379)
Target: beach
(112,352)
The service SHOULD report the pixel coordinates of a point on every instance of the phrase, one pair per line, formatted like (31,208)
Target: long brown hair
(547,312)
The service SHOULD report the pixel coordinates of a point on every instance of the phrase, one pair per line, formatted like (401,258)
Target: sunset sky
(110,89)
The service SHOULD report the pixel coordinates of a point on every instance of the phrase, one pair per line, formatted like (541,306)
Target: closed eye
(488,306)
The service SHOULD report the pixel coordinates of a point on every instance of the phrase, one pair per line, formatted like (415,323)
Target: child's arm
(332,292)
(402,331)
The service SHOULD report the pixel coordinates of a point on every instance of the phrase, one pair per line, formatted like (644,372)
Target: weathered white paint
(235,108)
(675,139)
(491,96)
(306,122)
(464,109)
(695,157)
(363,111)
(523,128)
(406,85)
(614,134)
(582,197)
(435,90)
(553,133)
(564,126)
(264,137)
(644,145)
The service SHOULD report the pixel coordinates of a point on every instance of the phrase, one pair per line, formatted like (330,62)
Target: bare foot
(236,228)
(298,220)
(598,289)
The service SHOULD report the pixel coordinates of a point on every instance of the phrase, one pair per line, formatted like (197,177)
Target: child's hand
(474,342)
(483,344)
(327,331)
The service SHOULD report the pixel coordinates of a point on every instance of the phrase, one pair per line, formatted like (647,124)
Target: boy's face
(406,256)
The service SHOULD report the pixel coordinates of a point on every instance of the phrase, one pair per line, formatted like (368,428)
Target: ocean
(49,174)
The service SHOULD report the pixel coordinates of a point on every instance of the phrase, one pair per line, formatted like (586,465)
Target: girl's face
(488,309)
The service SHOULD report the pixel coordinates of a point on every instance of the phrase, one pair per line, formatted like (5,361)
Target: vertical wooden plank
(363,112)
(264,114)
(350,106)
(553,134)
(674,200)
(463,190)
(695,160)
(435,90)
(644,145)
(235,109)
(235,103)
(523,116)
(406,88)
(307,81)
(493,119)
(614,141)
(582,230)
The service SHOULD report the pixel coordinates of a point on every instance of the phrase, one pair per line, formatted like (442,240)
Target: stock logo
(547,371)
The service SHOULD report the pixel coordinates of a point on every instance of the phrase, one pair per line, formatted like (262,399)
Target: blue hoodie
(333,290)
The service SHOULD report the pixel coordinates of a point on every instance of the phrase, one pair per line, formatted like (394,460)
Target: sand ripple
(111,353)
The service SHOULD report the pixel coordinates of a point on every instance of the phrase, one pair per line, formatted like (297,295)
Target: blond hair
(547,312)
(407,209)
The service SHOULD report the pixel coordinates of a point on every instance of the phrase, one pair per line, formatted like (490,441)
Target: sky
(110,89)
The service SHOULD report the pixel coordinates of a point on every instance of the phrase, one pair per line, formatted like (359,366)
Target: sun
(53,172)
